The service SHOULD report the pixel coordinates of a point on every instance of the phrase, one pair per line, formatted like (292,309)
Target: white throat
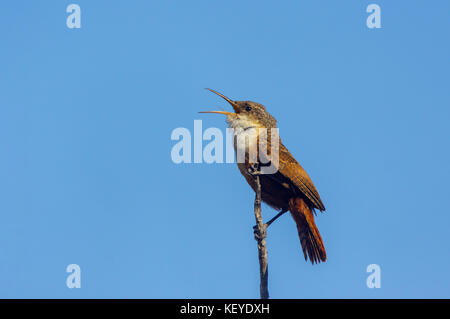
(245,133)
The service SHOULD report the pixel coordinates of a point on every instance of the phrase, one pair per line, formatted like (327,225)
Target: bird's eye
(248,108)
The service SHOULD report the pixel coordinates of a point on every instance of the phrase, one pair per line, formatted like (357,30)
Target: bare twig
(261,239)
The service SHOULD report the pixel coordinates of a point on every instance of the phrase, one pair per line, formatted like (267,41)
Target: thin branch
(261,239)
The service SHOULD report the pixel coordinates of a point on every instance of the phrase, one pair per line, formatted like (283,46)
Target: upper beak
(232,103)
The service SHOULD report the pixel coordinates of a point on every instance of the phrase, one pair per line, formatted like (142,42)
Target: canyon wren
(289,188)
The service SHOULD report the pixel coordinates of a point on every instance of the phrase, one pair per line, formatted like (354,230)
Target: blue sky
(86,175)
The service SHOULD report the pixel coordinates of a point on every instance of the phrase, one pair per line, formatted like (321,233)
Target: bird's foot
(260,235)
(253,169)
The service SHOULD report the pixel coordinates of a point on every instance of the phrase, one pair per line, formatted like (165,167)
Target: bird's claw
(260,235)
(253,169)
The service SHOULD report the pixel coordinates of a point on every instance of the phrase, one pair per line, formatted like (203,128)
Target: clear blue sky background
(86,175)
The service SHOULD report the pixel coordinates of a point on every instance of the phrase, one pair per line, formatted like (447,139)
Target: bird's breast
(245,140)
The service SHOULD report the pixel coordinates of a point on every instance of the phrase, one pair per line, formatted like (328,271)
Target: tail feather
(310,239)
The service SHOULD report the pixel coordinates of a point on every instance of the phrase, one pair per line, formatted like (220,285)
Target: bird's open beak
(232,103)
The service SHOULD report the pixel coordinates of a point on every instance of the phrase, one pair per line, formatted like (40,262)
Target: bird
(288,188)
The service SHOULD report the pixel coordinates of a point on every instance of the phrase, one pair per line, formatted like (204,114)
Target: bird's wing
(288,169)
(293,171)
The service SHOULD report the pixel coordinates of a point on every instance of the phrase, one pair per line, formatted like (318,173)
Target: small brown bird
(289,188)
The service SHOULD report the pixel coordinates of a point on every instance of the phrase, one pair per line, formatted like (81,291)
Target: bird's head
(247,114)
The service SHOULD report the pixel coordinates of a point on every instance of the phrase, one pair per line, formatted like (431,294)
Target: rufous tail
(312,244)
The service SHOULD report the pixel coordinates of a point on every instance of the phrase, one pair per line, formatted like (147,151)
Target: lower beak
(219,112)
